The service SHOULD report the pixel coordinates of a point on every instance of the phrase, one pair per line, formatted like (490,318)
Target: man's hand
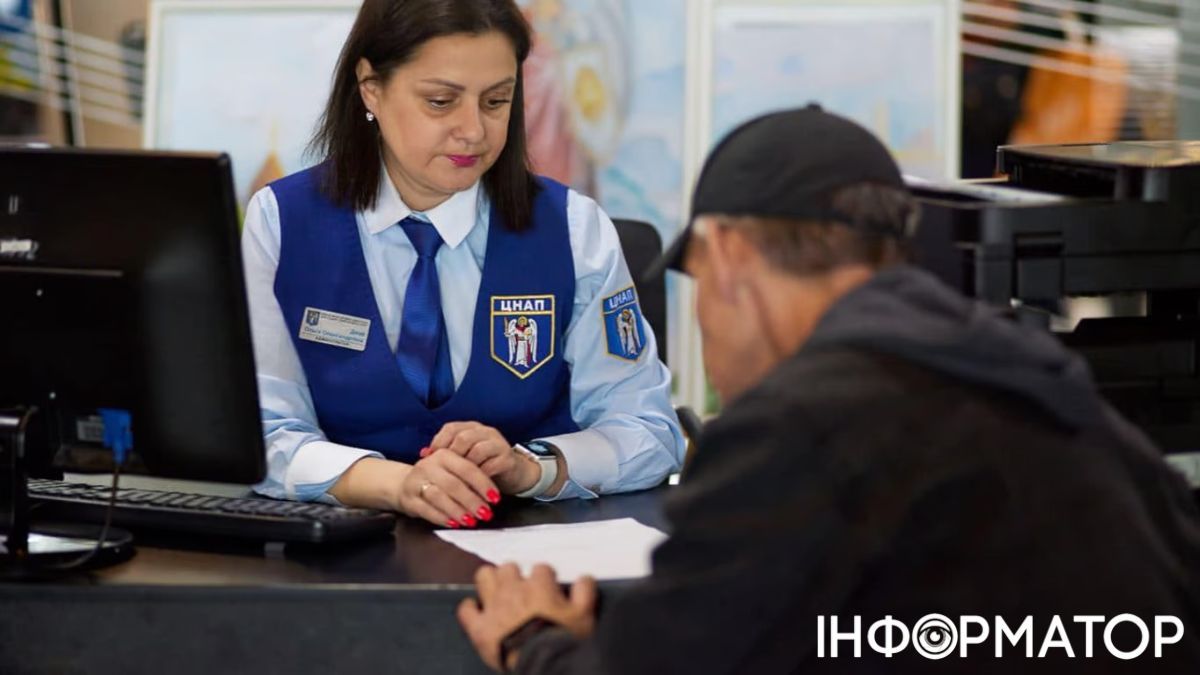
(507,601)
(490,451)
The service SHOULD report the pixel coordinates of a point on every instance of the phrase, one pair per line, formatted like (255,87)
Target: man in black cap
(902,478)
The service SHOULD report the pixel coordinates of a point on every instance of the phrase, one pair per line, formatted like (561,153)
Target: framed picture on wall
(891,65)
(247,77)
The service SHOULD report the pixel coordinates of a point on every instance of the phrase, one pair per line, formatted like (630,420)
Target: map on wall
(884,66)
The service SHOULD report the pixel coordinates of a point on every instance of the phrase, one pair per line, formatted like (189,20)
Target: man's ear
(368,84)
(724,248)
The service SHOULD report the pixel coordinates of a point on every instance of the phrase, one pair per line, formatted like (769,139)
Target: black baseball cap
(786,164)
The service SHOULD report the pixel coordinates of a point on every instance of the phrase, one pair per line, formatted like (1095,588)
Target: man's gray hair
(882,219)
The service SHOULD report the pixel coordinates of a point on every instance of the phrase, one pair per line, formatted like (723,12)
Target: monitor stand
(52,550)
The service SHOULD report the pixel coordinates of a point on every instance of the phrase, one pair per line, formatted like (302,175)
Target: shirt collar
(453,219)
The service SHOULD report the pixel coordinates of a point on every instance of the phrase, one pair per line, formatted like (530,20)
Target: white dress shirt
(629,438)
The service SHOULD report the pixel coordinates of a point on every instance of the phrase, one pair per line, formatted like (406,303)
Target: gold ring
(424,487)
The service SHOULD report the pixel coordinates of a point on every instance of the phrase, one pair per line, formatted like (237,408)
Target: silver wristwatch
(546,456)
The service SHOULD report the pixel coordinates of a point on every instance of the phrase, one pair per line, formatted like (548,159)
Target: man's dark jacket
(920,454)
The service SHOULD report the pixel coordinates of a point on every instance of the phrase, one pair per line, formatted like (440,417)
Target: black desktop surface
(195,605)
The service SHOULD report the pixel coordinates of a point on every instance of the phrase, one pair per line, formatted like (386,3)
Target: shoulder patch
(623,332)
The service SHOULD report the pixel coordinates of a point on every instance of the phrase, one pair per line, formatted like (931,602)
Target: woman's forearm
(372,483)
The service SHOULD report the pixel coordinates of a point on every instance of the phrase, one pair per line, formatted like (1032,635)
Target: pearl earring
(370,116)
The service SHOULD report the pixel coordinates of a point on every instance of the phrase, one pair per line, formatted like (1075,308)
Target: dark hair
(881,219)
(387,33)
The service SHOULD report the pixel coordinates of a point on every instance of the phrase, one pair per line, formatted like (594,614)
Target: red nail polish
(493,496)
(484,513)
(452,524)
(468,520)
(424,451)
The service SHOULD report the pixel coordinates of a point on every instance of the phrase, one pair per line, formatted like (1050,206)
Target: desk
(178,607)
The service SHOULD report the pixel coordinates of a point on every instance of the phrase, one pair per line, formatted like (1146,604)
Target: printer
(1119,221)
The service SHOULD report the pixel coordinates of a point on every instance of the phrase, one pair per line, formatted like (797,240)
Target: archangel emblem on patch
(522,332)
(623,325)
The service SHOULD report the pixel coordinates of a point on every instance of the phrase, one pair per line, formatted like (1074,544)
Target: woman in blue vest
(421,301)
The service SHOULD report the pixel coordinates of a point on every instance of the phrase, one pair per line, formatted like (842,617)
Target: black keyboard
(243,518)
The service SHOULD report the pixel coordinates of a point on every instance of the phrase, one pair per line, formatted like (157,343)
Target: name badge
(338,330)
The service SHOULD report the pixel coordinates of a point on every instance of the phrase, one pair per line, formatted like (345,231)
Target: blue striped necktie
(423,351)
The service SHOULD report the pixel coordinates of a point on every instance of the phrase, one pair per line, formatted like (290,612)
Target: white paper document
(605,549)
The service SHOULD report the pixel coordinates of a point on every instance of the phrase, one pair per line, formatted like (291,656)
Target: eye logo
(935,637)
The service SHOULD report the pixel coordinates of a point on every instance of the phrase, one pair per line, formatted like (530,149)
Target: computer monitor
(122,290)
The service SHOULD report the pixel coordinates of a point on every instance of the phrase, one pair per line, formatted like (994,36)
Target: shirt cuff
(317,466)
(591,464)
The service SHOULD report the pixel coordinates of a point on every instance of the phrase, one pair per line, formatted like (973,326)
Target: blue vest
(516,380)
